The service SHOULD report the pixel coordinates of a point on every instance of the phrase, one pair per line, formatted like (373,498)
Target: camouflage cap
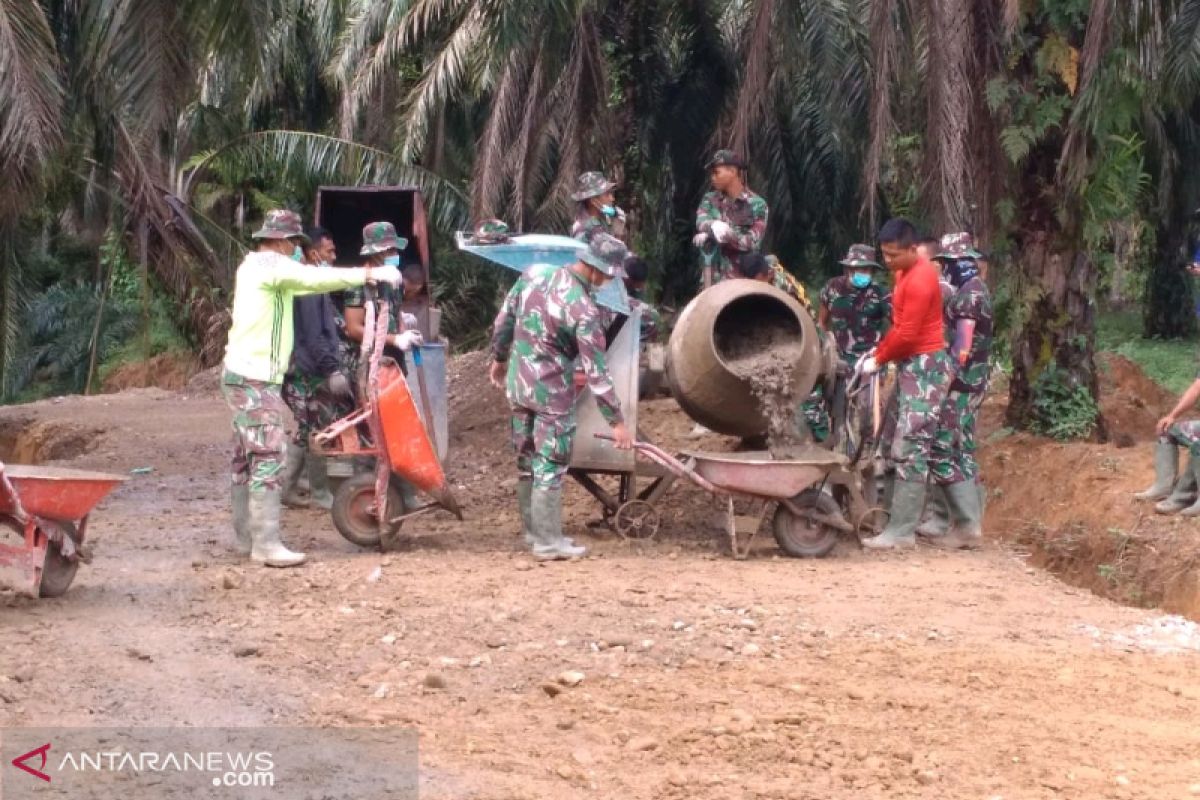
(379,237)
(726,158)
(958,245)
(281,224)
(606,253)
(591,184)
(860,255)
(490,231)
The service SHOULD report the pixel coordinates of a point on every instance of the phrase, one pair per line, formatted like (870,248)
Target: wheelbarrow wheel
(58,571)
(804,538)
(354,513)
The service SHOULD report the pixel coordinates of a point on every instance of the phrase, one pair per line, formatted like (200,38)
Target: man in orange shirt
(916,343)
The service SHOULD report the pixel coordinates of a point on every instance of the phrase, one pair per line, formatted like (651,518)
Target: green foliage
(1062,407)
(468,291)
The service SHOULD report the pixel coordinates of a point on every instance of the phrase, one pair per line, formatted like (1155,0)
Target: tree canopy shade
(1062,132)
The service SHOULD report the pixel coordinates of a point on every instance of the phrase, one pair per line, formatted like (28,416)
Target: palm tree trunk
(1169,312)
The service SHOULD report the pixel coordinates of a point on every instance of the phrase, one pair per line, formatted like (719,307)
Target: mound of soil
(1130,401)
(164,371)
(26,440)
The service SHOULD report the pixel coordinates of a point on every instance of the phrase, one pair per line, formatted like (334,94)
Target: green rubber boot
(966,517)
(545,508)
(1193,468)
(524,503)
(267,548)
(935,521)
(292,470)
(1184,493)
(318,481)
(1166,469)
(241,518)
(908,497)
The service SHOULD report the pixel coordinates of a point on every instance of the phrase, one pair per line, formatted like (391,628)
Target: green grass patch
(1170,363)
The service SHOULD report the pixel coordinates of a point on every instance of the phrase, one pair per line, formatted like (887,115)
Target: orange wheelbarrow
(48,508)
(369,508)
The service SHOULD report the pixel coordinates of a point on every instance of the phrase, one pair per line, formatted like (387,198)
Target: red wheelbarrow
(48,508)
(369,508)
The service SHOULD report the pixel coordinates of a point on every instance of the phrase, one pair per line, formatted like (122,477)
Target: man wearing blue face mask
(853,306)
(256,358)
(596,208)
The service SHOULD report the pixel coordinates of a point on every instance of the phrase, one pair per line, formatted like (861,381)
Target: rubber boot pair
(1183,499)
(525,503)
(293,468)
(545,517)
(904,514)
(965,504)
(936,520)
(266,546)
(1166,471)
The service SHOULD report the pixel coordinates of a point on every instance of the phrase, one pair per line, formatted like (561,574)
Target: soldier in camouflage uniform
(635,273)
(916,343)
(548,321)
(256,357)
(596,208)
(952,462)
(1175,488)
(731,219)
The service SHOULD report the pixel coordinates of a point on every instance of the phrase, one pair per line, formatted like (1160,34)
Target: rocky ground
(659,670)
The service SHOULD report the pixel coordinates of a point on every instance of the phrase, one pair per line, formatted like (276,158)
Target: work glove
(700,239)
(721,231)
(410,321)
(338,385)
(385,274)
(867,365)
(407,340)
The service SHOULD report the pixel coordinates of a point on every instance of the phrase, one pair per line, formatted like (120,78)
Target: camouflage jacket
(788,283)
(973,301)
(857,317)
(652,323)
(745,214)
(548,320)
(587,226)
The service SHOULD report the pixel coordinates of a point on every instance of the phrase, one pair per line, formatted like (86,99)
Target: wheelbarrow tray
(55,492)
(756,473)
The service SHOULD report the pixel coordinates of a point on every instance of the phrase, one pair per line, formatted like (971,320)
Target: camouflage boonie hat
(860,255)
(726,158)
(591,184)
(606,253)
(379,237)
(490,231)
(281,224)
(958,245)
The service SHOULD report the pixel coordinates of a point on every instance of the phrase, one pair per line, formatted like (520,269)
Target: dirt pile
(27,440)
(767,358)
(164,371)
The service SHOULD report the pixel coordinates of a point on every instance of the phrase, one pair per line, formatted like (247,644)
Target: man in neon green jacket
(256,358)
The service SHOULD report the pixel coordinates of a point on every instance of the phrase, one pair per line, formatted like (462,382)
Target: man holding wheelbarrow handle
(548,321)
(256,358)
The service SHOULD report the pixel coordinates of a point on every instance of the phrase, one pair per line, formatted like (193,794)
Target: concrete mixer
(724,320)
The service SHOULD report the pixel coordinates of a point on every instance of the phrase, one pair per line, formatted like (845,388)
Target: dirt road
(924,675)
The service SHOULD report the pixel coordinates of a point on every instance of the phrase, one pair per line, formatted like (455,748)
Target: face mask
(391,261)
(860,280)
(298,253)
(608,211)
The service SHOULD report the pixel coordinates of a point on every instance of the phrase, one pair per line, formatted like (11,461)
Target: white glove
(700,239)
(410,321)
(721,231)
(384,274)
(867,365)
(407,340)
(338,385)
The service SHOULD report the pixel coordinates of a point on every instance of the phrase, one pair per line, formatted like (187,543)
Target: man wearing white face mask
(256,358)
(597,208)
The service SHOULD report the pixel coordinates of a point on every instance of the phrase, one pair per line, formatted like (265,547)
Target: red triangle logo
(19,762)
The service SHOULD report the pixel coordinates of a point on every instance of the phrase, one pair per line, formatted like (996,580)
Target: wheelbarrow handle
(668,462)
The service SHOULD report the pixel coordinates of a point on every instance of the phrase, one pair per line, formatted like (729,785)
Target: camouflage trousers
(953,457)
(815,411)
(921,387)
(1186,434)
(259,435)
(543,444)
(311,404)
